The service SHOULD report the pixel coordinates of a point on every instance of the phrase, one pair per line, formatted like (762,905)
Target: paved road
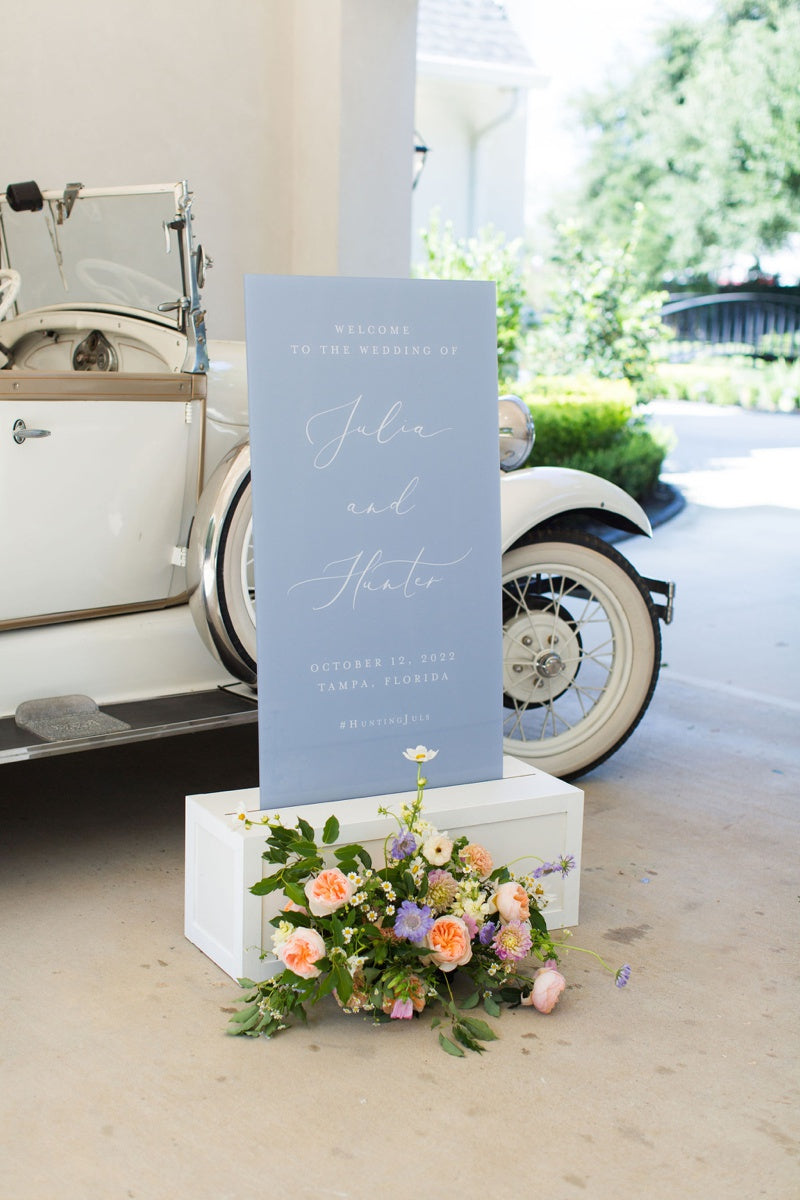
(734,551)
(113,1023)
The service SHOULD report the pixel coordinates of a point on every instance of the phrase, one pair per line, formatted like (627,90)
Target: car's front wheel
(581,652)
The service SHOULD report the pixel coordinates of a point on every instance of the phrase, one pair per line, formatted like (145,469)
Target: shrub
(588,424)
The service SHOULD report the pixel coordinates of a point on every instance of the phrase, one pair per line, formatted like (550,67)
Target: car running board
(66,724)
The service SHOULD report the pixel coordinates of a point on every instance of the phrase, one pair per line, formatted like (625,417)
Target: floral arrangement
(387,940)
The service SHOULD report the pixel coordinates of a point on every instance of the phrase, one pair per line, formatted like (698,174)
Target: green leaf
(306,829)
(479,1029)
(450,1047)
(274,855)
(327,984)
(364,856)
(537,920)
(471,1001)
(246,983)
(344,983)
(244,1014)
(249,1024)
(463,1035)
(331,831)
(435,1022)
(491,1006)
(350,851)
(265,886)
(305,846)
(295,893)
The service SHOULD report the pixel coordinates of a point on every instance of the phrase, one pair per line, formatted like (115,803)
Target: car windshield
(112,249)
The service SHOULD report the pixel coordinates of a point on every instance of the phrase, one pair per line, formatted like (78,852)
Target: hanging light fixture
(420,154)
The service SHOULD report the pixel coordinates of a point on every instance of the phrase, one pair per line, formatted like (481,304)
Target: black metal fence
(758,324)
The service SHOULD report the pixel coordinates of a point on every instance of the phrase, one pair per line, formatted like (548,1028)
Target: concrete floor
(119,1083)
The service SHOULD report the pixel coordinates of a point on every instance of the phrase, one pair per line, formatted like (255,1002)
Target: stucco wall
(291,119)
(475,171)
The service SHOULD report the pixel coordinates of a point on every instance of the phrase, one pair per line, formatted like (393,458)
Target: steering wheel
(10,282)
(121,285)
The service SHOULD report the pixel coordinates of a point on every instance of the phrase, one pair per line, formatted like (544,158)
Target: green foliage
(589,425)
(603,319)
(487,256)
(705,134)
(770,386)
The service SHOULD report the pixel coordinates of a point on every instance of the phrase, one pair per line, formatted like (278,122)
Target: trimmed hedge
(589,424)
(768,386)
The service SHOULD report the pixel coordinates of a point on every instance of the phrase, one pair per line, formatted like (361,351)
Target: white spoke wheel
(235,582)
(581,652)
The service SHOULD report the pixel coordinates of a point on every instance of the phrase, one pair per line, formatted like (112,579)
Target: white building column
(347,135)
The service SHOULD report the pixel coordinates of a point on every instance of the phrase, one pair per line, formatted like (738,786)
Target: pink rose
(328,891)
(449,940)
(301,950)
(547,987)
(512,903)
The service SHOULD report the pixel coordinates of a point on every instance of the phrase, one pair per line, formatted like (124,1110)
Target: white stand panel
(525,813)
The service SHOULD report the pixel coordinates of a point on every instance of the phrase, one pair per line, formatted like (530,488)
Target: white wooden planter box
(525,813)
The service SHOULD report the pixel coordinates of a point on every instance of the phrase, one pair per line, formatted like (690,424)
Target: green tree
(706,136)
(488,256)
(602,318)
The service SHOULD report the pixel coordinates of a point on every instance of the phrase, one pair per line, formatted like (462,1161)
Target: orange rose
(448,938)
(328,891)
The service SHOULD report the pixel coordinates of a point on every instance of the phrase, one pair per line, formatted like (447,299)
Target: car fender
(536,495)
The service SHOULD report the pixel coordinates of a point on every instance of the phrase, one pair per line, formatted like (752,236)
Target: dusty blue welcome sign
(376,505)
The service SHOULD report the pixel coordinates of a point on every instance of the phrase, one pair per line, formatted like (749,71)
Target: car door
(99,477)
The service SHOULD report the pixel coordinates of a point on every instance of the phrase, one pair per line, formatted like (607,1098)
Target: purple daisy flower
(512,940)
(412,921)
(403,846)
(622,976)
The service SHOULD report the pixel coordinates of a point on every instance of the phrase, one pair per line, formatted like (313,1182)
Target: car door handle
(21,433)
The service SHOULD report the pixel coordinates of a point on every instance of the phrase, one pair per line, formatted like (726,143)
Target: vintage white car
(127,603)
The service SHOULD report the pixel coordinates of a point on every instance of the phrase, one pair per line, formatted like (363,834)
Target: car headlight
(517,434)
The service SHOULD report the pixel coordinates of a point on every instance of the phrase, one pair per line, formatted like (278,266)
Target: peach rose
(328,891)
(477,858)
(511,902)
(547,987)
(449,940)
(301,950)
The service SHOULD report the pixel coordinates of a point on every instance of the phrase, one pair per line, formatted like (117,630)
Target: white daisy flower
(420,754)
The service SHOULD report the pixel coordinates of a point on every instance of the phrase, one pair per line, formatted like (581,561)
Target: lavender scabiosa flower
(412,921)
(622,976)
(403,846)
(512,940)
(561,866)
(487,933)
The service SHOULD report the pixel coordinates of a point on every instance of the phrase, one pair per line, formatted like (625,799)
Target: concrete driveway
(120,1084)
